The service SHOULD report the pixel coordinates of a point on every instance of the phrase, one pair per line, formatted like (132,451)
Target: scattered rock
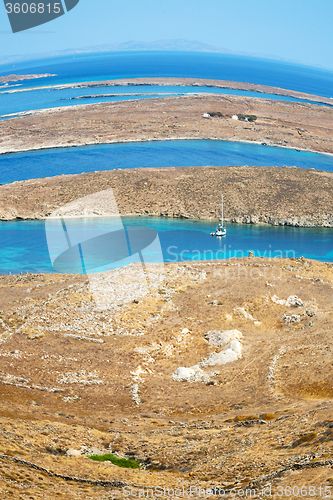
(294,318)
(231,353)
(221,338)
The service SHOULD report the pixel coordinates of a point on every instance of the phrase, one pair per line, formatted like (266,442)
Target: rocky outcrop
(286,124)
(300,221)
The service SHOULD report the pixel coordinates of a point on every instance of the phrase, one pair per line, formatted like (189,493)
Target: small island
(78,382)
(19,78)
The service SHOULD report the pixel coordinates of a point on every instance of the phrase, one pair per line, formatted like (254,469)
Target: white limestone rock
(222,338)
(192,374)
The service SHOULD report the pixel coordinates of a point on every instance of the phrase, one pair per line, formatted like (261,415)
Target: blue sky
(296,30)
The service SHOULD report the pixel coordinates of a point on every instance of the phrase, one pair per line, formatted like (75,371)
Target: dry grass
(183,433)
(262,194)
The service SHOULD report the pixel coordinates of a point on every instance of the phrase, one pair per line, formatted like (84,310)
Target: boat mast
(222,212)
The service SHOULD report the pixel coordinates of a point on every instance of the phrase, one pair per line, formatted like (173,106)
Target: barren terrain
(18,78)
(73,377)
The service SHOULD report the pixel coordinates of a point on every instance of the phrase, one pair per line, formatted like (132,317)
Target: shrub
(249,118)
(216,113)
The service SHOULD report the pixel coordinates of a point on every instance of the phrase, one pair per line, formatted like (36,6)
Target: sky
(293,30)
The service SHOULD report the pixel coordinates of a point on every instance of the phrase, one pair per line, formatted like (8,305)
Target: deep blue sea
(23,244)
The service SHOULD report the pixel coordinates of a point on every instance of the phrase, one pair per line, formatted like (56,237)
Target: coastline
(176,118)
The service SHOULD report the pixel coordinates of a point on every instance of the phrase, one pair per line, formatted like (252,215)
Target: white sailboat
(220,229)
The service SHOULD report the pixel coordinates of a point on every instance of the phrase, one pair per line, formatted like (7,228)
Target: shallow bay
(24,246)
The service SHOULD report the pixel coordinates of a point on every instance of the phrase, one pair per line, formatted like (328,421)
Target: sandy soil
(76,377)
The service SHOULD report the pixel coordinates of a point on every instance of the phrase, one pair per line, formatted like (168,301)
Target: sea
(24,246)
(23,243)
(131,64)
(79,68)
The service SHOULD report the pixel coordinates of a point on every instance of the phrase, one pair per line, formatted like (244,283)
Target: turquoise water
(15,103)
(37,164)
(24,246)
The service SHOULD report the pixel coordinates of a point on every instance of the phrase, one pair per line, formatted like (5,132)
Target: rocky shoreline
(278,196)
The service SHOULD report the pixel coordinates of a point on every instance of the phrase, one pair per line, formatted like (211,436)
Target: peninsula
(279,123)
(272,195)
(19,78)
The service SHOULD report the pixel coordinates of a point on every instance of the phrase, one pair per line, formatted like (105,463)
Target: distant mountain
(175,45)
(178,45)
(172,45)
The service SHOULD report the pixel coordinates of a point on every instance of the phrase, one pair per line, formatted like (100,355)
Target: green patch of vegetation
(128,463)
(247,118)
